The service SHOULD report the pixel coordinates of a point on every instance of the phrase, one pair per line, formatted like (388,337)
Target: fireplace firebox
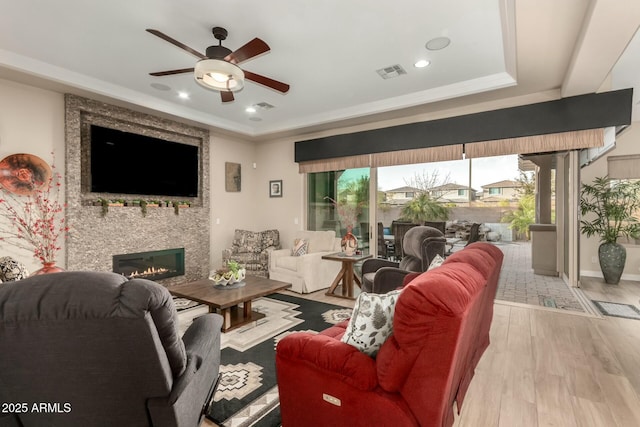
(153,265)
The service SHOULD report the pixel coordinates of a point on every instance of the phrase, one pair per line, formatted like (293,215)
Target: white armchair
(308,272)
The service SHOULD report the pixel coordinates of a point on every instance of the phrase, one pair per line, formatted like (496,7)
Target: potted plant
(143,207)
(105,206)
(611,205)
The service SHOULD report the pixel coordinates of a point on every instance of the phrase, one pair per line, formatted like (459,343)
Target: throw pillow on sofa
(435,262)
(371,322)
(300,247)
(270,238)
(11,270)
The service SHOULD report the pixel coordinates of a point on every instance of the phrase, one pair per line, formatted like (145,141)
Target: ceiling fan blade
(226,96)
(176,43)
(266,81)
(170,72)
(254,48)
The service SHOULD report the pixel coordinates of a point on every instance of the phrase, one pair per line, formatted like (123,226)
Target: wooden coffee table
(226,301)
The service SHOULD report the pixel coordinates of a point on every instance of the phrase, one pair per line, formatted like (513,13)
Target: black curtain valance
(591,111)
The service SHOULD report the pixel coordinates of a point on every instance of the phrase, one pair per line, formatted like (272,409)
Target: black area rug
(247,394)
(615,309)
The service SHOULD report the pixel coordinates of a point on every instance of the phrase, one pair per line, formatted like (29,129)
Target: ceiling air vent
(391,71)
(264,106)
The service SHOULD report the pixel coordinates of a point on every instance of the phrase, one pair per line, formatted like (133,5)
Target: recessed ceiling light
(421,63)
(250,109)
(438,43)
(183,95)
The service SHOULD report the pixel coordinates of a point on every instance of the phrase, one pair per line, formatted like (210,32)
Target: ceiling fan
(218,69)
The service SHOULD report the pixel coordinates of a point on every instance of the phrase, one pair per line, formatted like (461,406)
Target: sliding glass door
(339,200)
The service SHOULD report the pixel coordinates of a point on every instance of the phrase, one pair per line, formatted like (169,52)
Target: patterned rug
(615,309)
(184,304)
(247,394)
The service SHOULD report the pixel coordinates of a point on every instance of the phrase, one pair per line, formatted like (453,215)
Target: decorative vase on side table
(349,243)
(47,267)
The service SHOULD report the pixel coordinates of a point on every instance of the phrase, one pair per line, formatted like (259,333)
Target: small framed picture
(275,188)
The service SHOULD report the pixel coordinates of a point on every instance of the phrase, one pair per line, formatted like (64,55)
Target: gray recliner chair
(98,349)
(420,245)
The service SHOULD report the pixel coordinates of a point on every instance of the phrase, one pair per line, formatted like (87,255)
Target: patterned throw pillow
(371,322)
(11,270)
(270,238)
(300,247)
(435,262)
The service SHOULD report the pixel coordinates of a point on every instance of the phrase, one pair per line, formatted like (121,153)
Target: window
(462,192)
(409,195)
(350,189)
(494,191)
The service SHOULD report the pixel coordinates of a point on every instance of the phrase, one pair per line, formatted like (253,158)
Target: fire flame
(151,271)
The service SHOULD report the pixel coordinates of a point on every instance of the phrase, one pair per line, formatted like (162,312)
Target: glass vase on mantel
(47,267)
(349,243)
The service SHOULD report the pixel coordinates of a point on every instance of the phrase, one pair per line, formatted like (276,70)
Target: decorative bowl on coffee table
(220,281)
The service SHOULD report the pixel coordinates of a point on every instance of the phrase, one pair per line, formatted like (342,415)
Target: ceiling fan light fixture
(219,75)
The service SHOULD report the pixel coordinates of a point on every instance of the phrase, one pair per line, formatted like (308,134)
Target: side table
(346,275)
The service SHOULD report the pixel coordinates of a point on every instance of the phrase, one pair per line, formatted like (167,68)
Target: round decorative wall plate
(23,174)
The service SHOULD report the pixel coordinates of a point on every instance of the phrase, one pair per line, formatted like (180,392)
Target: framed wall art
(275,188)
(232,177)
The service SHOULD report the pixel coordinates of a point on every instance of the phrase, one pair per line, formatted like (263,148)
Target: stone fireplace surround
(93,239)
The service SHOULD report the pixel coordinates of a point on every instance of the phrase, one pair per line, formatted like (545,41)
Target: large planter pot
(612,257)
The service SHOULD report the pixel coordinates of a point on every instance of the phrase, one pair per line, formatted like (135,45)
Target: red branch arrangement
(347,212)
(34,222)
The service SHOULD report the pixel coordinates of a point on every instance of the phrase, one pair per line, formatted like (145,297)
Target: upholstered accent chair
(420,244)
(307,272)
(251,250)
(106,350)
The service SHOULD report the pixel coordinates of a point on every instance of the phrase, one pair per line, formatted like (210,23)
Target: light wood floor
(551,368)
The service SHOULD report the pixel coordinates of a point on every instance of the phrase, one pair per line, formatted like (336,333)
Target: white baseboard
(590,273)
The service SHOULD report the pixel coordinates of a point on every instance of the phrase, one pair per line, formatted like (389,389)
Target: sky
(485,171)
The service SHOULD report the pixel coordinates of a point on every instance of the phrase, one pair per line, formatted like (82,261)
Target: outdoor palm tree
(424,208)
(523,216)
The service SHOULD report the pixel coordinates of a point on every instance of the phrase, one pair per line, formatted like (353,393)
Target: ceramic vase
(612,257)
(349,243)
(47,267)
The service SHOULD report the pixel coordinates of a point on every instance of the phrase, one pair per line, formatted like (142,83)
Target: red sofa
(441,329)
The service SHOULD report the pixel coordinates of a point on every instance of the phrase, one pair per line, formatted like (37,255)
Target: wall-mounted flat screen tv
(129,163)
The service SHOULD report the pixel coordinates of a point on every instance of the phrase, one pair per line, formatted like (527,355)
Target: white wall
(286,213)
(231,210)
(252,208)
(626,143)
(31,121)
